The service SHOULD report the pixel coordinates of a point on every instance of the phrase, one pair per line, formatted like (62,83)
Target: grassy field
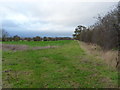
(65,67)
(39,43)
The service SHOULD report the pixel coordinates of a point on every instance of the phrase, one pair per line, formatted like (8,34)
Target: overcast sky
(49,17)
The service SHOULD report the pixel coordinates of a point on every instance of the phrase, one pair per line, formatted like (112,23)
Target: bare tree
(4,35)
(105,32)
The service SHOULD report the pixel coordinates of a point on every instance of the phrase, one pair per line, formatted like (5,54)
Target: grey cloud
(44,16)
(9,23)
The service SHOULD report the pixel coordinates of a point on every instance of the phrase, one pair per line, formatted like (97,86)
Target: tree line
(6,37)
(105,32)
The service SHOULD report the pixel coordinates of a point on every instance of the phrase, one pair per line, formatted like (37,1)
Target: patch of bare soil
(7,47)
(46,47)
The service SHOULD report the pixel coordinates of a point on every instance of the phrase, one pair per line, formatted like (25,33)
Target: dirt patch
(7,47)
(46,47)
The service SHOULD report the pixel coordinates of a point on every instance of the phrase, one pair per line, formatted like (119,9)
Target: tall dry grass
(110,57)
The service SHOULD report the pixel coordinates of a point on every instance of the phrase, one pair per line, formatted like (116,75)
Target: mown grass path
(65,67)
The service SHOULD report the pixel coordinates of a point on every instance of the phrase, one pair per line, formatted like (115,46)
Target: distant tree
(77,31)
(9,39)
(45,39)
(28,39)
(50,39)
(4,35)
(16,38)
(37,38)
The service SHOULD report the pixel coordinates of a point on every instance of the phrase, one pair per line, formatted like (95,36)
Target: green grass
(65,67)
(39,43)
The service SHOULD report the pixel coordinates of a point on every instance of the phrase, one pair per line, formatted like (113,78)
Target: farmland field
(39,43)
(67,66)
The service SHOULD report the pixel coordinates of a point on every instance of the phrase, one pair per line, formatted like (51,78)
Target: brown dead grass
(110,57)
(7,47)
